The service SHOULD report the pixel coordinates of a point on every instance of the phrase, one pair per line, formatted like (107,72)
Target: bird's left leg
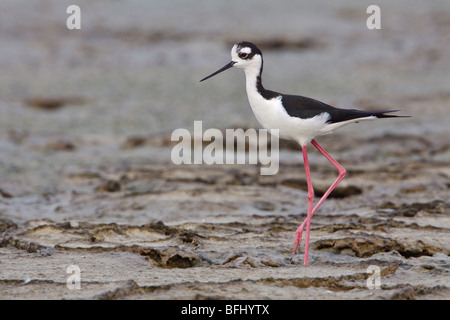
(337,165)
(307,221)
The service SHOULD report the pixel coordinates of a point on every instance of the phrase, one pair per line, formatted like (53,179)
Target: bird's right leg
(310,212)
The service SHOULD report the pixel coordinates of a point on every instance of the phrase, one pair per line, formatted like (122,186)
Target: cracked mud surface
(241,252)
(86,177)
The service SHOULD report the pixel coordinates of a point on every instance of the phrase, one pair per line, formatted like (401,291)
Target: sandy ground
(86,177)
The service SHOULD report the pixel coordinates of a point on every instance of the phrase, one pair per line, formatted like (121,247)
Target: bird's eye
(243,55)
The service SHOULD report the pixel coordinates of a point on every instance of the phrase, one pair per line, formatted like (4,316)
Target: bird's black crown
(253,50)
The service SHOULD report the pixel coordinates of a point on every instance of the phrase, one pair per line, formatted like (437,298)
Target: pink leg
(310,213)
(310,203)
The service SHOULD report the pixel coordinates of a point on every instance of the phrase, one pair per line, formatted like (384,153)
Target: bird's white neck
(253,80)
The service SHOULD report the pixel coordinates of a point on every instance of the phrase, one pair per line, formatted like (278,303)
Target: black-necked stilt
(297,118)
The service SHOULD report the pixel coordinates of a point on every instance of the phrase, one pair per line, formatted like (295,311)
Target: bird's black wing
(304,107)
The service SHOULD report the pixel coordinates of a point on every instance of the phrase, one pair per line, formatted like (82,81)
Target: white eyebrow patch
(246,50)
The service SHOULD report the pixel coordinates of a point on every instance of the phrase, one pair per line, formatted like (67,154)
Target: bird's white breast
(272,115)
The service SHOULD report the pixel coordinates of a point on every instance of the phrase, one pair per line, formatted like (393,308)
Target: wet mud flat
(88,190)
(158,231)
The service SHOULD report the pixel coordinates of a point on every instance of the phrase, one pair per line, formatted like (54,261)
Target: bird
(296,118)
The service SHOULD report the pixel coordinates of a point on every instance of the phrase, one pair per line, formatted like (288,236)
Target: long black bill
(228,66)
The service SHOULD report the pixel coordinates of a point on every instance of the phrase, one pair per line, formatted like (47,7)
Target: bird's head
(244,55)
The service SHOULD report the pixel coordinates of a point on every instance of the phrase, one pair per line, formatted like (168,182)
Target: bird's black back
(304,107)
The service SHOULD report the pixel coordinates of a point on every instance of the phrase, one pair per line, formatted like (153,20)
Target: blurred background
(80,98)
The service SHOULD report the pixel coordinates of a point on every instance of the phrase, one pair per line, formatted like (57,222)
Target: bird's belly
(272,115)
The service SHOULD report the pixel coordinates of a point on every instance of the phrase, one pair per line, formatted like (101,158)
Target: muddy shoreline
(121,226)
(87,182)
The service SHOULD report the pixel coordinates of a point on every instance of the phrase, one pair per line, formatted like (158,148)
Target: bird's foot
(298,239)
